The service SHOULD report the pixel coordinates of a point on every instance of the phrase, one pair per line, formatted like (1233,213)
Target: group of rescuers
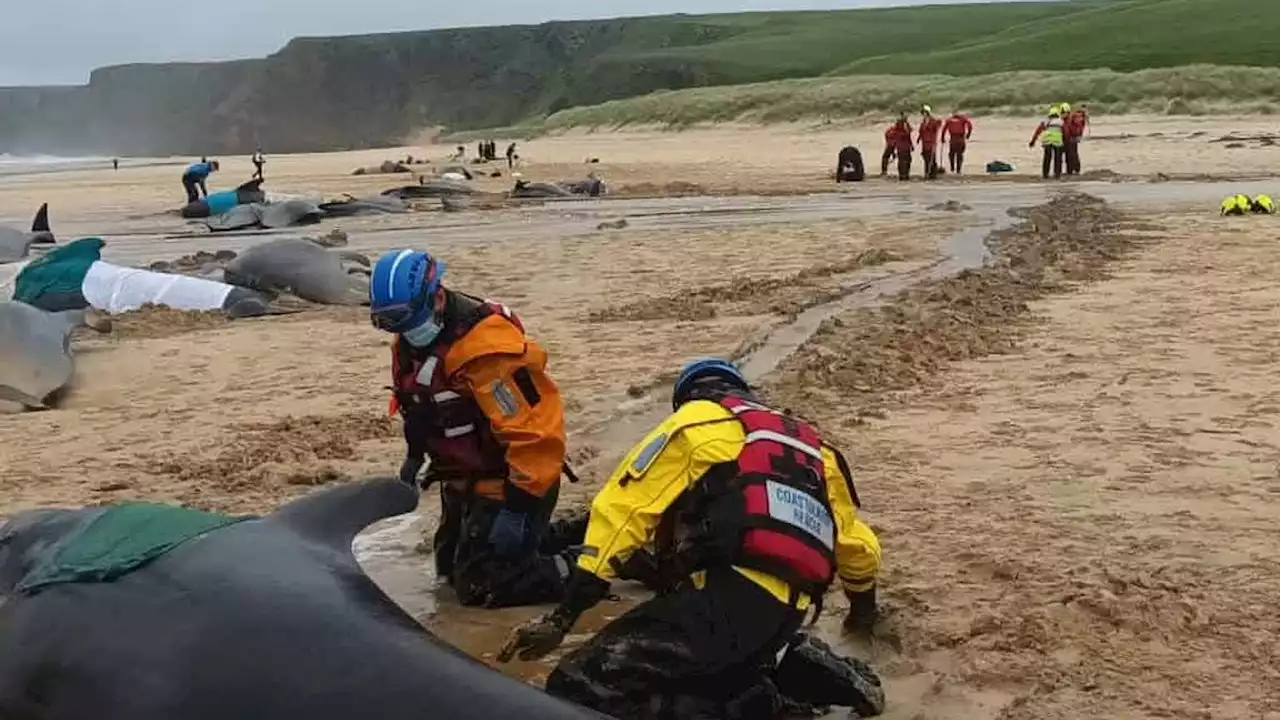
(1059,134)
(736,515)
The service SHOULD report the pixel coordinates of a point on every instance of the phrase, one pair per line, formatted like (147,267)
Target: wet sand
(1101,487)
(1083,524)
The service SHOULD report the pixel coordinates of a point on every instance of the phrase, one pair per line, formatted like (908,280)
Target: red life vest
(899,137)
(778,489)
(455,432)
(929,129)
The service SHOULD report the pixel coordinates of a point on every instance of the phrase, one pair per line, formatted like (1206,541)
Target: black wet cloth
(849,166)
(535,575)
(689,655)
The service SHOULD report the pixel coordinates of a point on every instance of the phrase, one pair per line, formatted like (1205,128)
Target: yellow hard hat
(927,109)
(1064,107)
(1054,109)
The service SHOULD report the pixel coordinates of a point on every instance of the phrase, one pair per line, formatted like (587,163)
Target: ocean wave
(7,159)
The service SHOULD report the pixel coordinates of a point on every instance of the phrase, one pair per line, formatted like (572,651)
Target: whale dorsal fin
(41,222)
(336,515)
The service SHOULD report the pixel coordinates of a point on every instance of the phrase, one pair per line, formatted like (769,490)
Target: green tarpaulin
(52,282)
(119,540)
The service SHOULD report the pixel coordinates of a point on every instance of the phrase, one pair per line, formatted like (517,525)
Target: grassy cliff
(361,91)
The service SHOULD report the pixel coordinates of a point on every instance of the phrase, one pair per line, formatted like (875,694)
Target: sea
(12,165)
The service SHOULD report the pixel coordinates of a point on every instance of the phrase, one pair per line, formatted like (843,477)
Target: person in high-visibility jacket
(750,518)
(475,398)
(1263,205)
(1050,134)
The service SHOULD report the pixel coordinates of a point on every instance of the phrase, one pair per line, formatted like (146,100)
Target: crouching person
(751,518)
(475,397)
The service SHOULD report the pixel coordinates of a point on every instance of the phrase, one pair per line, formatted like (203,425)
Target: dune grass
(1195,89)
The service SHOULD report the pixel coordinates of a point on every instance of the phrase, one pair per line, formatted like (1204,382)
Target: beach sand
(1076,499)
(720,160)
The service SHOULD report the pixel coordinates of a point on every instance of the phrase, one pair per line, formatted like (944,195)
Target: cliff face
(349,92)
(127,110)
(338,93)
(366,91)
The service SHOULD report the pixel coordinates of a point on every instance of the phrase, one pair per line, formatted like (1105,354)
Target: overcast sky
(46,42)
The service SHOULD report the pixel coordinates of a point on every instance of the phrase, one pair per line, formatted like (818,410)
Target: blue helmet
(701,369)
(402,289)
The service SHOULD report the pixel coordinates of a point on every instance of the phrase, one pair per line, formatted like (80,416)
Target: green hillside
(375,90)
(751,47)
(1126,36)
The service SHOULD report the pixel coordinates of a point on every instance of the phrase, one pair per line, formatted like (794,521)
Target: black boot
(811,674)
(862,612)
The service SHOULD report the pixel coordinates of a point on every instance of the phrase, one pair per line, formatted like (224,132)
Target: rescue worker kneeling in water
(754,517)
(475,398)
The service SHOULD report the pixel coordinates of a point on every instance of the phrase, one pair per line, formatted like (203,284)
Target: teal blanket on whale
(57,275)
(118,540)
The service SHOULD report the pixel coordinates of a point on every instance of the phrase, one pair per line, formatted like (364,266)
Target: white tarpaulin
(116,289)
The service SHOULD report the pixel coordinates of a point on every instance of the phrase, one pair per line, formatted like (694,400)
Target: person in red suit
(956,132)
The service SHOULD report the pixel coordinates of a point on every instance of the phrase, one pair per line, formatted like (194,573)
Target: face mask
(424,334)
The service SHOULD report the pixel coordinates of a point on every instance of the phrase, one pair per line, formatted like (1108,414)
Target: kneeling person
(753,517)
(475,397)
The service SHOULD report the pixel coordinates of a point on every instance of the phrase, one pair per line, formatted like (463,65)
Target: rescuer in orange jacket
(956,131)
(475,398)
(740,518)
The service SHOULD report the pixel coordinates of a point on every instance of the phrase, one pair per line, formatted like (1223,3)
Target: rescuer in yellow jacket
(741,518)
(1050,133)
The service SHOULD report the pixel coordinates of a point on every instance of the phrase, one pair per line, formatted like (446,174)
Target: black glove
(642,567)
(862,612)
(410,469)
(536,638)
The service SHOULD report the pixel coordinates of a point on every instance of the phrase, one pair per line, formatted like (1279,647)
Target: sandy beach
(1071,458)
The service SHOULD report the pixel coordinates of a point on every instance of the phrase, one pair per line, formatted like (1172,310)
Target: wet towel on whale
(116,289)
